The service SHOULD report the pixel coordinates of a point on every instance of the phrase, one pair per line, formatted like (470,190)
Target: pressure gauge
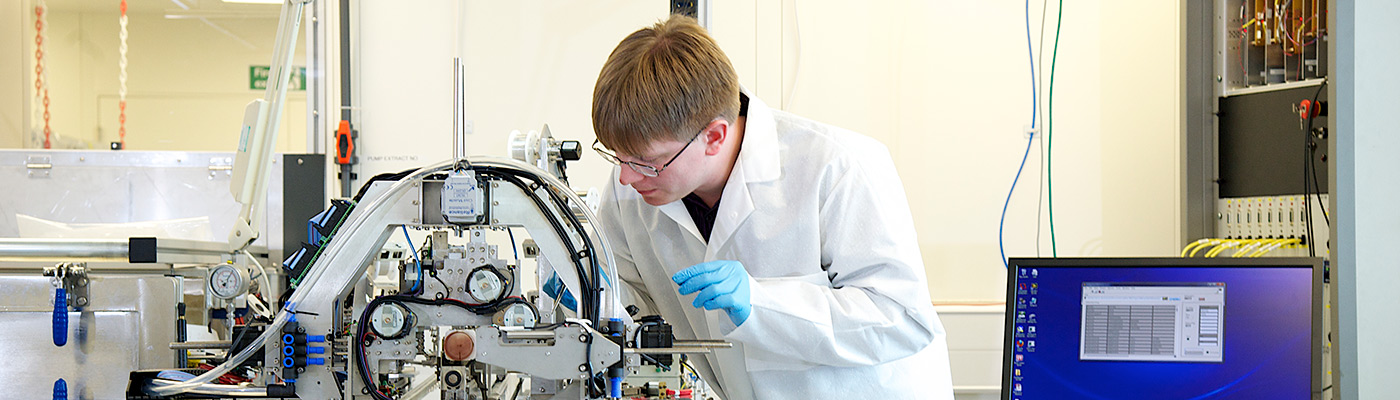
(485,285)
(517,314)
(227,281)
(392,320)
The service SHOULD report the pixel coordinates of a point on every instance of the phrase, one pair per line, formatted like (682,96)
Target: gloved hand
(722,284)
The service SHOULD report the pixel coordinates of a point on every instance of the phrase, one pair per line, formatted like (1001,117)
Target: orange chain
(39,84)
(122,119)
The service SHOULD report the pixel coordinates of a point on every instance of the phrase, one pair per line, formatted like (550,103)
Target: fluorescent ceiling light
(254,1)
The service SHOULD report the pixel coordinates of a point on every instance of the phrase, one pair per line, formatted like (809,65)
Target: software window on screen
(1171,322)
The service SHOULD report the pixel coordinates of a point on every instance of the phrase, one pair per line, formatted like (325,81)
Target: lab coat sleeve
(871,305)
(633,291)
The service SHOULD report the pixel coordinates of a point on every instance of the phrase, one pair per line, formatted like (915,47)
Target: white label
(461,198)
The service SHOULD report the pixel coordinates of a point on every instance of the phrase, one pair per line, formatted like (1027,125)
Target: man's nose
(628,176)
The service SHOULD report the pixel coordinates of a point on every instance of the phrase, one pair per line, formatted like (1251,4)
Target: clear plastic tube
(219,390)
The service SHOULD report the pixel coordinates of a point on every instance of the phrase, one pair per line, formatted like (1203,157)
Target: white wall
(12,65)
(187,79)
(947,87)
(528,63)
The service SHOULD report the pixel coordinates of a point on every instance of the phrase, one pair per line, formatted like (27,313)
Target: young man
(735,221)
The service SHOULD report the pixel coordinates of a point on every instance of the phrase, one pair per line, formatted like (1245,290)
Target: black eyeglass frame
(645,170)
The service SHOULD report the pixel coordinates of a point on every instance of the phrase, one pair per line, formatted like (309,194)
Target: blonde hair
(663,82)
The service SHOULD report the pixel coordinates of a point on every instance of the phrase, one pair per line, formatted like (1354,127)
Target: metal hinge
(74,278)
(38,166)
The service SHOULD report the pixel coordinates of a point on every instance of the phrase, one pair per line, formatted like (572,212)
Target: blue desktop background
(1268,322)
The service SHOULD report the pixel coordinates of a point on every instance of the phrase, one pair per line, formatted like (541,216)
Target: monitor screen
(1162,328)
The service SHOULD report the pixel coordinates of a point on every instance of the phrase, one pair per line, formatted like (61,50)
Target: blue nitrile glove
(722,284)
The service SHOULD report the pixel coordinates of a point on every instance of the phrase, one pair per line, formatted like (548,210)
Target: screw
(583,338)
(415,202)
(1218,78)
(582,367)
(82,301)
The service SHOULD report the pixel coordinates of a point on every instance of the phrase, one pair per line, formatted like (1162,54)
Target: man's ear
(715,135)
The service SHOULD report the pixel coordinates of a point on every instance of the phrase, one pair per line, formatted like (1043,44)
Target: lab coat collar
(757,162)
(758,158)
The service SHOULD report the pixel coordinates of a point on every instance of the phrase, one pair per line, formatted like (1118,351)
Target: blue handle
(60,388)
(615,387)
(60,318)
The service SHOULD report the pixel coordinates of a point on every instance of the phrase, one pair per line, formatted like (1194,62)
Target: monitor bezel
(1016,264)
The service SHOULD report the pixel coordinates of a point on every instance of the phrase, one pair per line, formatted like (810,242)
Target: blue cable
(419,283)
(1001,227)
(512,243)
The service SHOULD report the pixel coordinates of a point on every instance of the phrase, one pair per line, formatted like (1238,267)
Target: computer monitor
(1163,328)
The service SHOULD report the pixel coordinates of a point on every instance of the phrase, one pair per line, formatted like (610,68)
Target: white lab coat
(818,217)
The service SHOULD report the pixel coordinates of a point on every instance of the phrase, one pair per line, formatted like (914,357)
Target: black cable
(392,176)
(1312,159)
(1310,171)
(448,289)
(1307,201)
(588,292)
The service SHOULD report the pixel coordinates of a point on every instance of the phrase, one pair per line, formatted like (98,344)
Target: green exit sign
(257,78)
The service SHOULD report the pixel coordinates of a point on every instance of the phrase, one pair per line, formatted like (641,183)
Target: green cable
(1049,125)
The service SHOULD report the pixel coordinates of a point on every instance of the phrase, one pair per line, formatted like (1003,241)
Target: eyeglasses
(645,170)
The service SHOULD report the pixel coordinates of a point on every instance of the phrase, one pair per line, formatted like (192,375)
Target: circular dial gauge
(517,314)
(227,281)
(392,320)
(485,285)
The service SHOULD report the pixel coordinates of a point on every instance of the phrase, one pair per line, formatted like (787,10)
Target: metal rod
(528,335)
(719,344)
(459,121)
(66,249)
(669,350)
(210,344)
